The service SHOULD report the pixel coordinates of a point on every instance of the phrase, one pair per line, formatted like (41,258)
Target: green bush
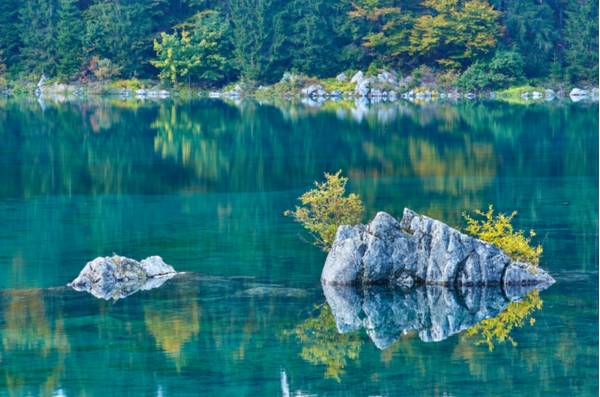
(103,68)
(503,70)
(327,207)
(517,91)
(332,84)
(128,84)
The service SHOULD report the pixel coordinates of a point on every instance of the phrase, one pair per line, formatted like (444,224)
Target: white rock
(313,90)
(358,77)
(577,92)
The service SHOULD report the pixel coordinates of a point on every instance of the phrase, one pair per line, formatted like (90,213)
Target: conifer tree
(37,33)
(69,33)
(9,31)
(252,32)
(581,40)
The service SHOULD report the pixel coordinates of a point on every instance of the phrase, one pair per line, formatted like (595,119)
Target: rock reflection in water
(434,312)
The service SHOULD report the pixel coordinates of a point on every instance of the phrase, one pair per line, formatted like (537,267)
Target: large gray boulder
(420,250)
(117,277)
(358,77)
(363,87)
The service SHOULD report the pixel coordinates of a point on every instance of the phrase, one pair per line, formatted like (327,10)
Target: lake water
(204,184)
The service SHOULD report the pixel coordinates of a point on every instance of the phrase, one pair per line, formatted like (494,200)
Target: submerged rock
(273,291)
(420,250)
(434,312)
(117,277)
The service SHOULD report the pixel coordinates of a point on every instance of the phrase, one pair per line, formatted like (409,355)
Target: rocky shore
(380,86)
(389,86)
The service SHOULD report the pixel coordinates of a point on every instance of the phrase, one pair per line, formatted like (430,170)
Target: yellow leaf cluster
(499,231)
(327,207)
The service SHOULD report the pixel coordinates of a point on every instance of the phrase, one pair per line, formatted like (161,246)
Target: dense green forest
(210,43)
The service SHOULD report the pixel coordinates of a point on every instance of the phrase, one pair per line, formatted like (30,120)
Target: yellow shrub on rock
(499,231)
(327,207)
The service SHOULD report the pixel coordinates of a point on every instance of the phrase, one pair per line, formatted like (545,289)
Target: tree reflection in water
(173,325)
(494,330)
(28,328)
(322,344)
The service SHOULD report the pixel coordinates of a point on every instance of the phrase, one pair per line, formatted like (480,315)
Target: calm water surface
(204,184)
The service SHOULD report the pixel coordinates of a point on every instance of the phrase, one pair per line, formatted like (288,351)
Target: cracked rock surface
(418,249)
(117,277)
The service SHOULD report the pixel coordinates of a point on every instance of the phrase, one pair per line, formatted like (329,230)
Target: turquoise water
(204,184)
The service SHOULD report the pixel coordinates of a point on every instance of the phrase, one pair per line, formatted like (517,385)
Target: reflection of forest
(448,155)
(98,147)
(173,326)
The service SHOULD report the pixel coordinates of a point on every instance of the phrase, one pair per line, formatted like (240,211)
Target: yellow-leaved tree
(327,207)
(498,230)
(455,31)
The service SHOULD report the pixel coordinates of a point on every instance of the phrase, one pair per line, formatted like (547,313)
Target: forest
(484,44)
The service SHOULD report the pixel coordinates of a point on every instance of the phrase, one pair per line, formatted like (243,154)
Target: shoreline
(308,91)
